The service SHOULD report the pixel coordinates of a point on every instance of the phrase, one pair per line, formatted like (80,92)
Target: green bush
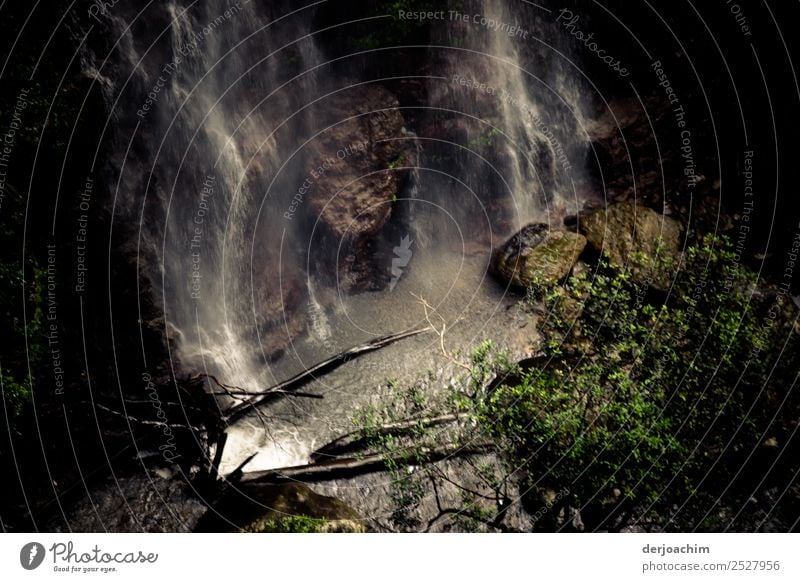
(640,408)
(293,524)
(23,344)
(646,407)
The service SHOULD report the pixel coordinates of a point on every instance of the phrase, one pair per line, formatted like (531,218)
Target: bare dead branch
(426,307)
(314,372)
(149,422)
(356,439)
(349,467)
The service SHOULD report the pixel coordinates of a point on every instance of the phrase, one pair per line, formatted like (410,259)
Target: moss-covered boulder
(281,508)
(537,255)
(637,239)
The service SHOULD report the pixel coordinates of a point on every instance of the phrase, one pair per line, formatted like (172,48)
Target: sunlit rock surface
(637,239)
(538,255)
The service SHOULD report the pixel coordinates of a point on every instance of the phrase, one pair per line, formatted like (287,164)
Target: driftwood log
(253,400)
(356,440)
(352,466)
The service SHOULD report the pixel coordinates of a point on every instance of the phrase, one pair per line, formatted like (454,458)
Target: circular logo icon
(31,555)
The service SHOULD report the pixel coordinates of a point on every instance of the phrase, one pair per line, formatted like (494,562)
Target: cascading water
(220,148)
(214,102)
(519,105)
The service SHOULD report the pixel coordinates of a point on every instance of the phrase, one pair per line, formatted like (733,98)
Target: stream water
(472,310)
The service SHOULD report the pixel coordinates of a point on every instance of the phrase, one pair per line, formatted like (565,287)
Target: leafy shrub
(293,524)
(644,408)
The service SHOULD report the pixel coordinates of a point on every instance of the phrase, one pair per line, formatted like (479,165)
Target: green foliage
(396,162)
(402,452)
(294,524)
(637,400)
(40,116)
(15,383)
(484,140)
(640,405)
(19,351)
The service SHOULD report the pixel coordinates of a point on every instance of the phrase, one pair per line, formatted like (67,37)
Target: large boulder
(637,239)
(629,162)
(537,255)
(355,171)
(257,508)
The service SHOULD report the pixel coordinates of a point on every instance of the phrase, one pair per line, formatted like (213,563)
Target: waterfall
(521,105)
(211,118)
(213,170)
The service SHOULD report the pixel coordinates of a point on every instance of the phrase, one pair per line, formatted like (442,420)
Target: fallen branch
(133,419)
(356,439)
(236,475)
(350,467)
(214,471)
(312,373)
(496,522)
(236,393)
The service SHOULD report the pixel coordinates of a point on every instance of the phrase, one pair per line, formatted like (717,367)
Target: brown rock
(259,508)
(354,169)
(635,238)
(538,255)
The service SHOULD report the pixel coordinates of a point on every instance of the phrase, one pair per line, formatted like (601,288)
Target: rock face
(281,317)
(630,162)
(352,166)
(628,235)
(537,254)
(622,139)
